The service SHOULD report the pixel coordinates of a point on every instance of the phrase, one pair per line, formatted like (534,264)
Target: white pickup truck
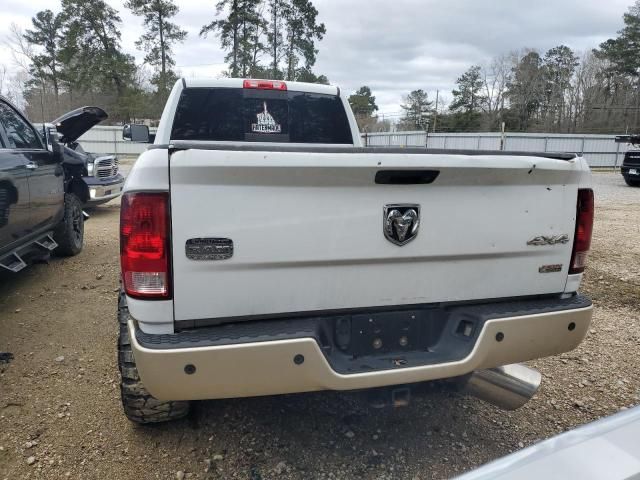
(265,251)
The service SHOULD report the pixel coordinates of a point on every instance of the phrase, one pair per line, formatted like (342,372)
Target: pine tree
(363,103)
(240,32)
(417,110)
(305,74)
(47,36)
(288,36)
(302,30)
(622,72)
(526,90)
(157,41)
(252,29)
(92,47)
(468,99)
(559,66)
(228,30)
(623,52)
(274,36)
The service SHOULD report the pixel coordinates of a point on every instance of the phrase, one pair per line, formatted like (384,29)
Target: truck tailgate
(307,230)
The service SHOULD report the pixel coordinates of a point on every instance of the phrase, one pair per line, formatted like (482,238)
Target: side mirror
(136,133)
(53,144)
(50,136)
(57,149)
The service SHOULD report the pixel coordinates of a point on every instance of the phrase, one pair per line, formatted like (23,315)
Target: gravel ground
(60,414)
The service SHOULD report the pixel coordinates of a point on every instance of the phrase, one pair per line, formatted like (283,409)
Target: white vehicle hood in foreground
(605,449)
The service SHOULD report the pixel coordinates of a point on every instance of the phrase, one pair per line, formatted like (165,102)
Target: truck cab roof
(240,82)
(240,111)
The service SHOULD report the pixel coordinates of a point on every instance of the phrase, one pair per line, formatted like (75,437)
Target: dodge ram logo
(401,222)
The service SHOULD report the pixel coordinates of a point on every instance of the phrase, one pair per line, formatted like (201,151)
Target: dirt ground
(60,414)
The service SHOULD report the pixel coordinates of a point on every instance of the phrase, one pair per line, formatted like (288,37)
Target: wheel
(138,404)
(632,183)
(69,234)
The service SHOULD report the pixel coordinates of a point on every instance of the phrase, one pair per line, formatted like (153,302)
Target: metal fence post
(115,142)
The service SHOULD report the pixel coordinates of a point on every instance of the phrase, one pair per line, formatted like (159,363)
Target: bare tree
(22,55)
(22,52)
(3,78)
(496,79)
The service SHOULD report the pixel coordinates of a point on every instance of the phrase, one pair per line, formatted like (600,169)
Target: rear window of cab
(251,115)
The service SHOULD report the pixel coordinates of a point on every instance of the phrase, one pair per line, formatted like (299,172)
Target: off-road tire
(138,404)
(632,183)
(69,234)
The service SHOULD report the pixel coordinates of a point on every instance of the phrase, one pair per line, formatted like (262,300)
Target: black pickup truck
(41,194)
(101,173)
(630,167)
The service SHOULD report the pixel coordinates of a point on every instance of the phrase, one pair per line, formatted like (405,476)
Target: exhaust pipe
(508,387)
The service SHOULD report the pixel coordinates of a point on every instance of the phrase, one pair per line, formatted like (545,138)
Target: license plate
(633,171)
(387,332)
(108,192)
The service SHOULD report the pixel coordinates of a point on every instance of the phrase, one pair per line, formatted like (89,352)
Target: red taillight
(584,229)
(265,84)
(144,245)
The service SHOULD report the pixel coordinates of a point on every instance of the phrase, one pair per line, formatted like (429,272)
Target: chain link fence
(598,150)
(109,141)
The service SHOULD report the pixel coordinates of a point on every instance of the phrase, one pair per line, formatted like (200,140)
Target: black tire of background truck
(138,404)
(69,234)
(632,183)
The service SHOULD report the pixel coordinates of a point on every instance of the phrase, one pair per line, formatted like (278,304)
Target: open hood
(72,125)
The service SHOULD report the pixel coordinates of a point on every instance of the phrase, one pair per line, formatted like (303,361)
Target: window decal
(266,123)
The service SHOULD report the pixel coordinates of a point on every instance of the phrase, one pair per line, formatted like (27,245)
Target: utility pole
(435,117)
(426,135)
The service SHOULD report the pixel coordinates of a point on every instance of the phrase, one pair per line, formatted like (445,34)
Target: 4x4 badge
(401,222)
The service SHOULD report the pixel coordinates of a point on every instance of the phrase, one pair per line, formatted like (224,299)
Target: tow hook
(400,397)
(85,216)
(390,397)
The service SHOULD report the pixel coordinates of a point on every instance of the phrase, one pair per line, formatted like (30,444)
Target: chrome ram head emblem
(401,222)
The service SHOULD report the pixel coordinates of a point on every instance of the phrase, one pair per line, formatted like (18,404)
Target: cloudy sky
(393,47)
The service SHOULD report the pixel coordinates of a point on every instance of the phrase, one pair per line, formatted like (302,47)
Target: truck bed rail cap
(246,146)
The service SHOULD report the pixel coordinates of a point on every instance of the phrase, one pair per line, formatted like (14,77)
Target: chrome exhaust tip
(508,387)
(85,216)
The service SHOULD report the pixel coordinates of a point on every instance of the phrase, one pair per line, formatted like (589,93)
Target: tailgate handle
(406,177)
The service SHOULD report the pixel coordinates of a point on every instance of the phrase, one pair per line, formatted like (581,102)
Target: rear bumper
(270,367)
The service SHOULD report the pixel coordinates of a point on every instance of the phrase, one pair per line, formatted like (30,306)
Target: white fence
(598,150)
(108,140)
